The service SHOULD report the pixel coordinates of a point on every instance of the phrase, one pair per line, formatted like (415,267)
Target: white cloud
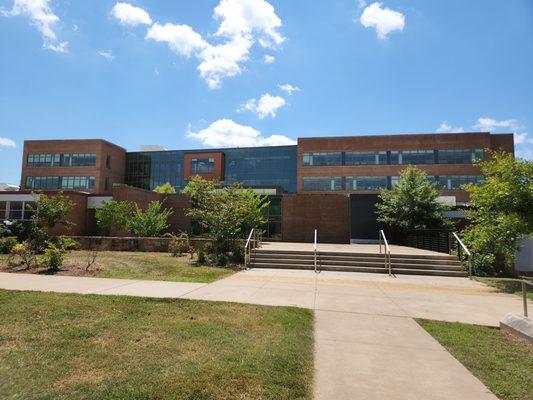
(6,142)
(181,39)
(383,20)
(227,133)
(446,128)
(268,59)
(242,24)
(42,18)
(129,15)
(362,3)
(247,18)
(267,105)
(107,54)
(289,89)
(489,124)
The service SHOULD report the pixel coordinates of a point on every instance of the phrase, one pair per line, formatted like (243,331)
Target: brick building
(329,183)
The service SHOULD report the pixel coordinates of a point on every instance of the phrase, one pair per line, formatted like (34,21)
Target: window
(322,183)
(273,218)
(108,161)
(457,181)
(3,210)
(412,157)
(324,159)
(79,160)
(366,182)
(60,182)
(365,158)
(44,160)
(202,165)
(460,156)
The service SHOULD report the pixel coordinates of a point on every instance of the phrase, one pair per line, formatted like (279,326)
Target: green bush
(179,244)
(7,244)
(53,257)
(66,243)
(26,253)
(200,255)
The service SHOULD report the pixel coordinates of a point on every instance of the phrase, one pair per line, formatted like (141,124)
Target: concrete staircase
(442,265)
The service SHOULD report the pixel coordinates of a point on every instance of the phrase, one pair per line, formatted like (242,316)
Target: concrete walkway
(367,344)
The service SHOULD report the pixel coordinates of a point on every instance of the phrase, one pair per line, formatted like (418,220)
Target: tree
(500,213)
(226,214)
(113,215)
(165,188)
(412,204)
(149,223)
(52,210)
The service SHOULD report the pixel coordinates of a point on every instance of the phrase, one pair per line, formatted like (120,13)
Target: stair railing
(248,249)
(387,257)
(467,252)
(315,248)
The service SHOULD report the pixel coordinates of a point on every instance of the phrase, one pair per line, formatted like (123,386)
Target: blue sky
(183,74)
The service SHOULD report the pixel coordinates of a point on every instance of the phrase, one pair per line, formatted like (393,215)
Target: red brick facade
(303,213)
(109,168)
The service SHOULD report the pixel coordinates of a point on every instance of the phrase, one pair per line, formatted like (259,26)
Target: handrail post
(524,297)
(314,248)
(248,249)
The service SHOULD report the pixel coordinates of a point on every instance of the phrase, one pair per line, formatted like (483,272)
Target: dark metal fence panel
(431,239)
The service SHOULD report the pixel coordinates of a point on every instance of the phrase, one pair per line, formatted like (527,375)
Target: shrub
(66,243)
(26,253)
(219,259)
(200,255)
(7,244)
(165,188)
(179,244)
(53,257)
(151,222)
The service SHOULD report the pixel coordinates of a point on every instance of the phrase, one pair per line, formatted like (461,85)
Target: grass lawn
(502,362)
(506,285)
(135,265)
(67,346)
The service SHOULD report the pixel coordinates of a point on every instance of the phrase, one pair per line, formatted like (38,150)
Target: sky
(232,73)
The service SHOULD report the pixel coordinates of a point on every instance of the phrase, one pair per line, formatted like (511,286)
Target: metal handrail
(248,250)
(388,263)
(468,253)
(315,247)
(524,294)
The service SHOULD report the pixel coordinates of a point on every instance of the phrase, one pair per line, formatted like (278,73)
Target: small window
(107,161)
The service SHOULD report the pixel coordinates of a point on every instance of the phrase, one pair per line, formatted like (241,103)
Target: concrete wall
(303,213)
(524,255)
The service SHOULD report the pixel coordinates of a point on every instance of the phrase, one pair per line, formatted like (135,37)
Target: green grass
(503,363)
(507,285)
(66,346)
(139,265)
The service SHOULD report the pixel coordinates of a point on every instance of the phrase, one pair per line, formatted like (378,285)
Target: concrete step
(349,254)
(355,258)
(355,263)
(347,268)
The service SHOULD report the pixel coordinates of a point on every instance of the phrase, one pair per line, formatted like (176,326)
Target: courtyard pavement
(367,345)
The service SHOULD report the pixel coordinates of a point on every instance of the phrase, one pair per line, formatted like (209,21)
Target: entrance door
(364,224)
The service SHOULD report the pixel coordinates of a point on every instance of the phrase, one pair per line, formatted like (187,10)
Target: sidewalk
(367,346)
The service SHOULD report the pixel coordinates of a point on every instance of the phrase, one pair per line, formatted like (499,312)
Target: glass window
(324,159)
(3,209)
(365,158)
(366,182)
(202,165)
(455,182)
(322,183)
(412,157)
(43,160)
(15,209)
(460,156)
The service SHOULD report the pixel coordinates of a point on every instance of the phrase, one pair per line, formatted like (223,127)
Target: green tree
(152,222)
(50,211)
(412,204)
(113,215)
(500,213)
(165,188)
(226,214)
